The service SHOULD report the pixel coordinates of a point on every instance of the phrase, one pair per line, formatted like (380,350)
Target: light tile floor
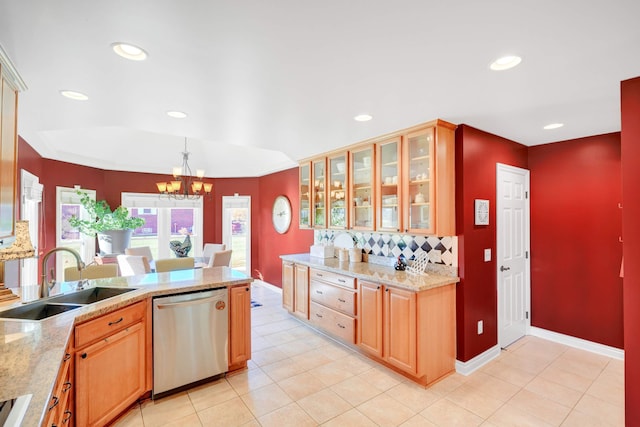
(299,377)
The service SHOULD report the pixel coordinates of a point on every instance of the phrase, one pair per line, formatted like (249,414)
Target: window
(166,220)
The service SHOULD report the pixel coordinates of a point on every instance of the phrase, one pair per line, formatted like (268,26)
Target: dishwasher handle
(188,303)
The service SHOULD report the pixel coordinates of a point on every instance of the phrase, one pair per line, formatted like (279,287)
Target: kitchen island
(401,320)
(32,352)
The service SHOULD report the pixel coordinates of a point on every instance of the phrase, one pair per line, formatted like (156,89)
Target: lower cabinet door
(110,376)
(400,332)
(370,323)
(239,325)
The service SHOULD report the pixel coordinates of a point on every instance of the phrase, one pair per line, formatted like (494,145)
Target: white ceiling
(266,83)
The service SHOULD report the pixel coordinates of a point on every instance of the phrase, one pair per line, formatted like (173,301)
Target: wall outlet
(480,327)
(435,256)
(487,255)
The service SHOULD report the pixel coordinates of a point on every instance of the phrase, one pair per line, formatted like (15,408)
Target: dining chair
(210,248)
(131,265)
(140,250)
(221,258)
(172,264)
(91,272)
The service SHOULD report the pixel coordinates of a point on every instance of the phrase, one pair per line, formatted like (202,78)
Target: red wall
(575,226)
(477,153)
(271,243)
(630,104)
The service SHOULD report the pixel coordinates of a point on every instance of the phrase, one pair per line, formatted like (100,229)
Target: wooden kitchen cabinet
(319,192)
(61,405)
(338,187)
(288,281)
(361,191)
(389,185)
(370,322)
(411,331)
(305,195)
(332,304)
(112,363)
(419,183)
(239,326)
(399,322)
(301,291)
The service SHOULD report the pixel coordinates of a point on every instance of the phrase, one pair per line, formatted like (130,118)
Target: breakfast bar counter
(31,351)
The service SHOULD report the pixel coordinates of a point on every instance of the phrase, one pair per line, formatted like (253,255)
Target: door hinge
(526,254)
(526,194)
(526,315)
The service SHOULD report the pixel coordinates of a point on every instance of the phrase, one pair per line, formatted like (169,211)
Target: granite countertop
(375,272)
(31,351)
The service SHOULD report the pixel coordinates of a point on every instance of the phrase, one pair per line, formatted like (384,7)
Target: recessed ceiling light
(71,94)
(129,51)
(553,126)
(176,114)
(363,117)
(505,63)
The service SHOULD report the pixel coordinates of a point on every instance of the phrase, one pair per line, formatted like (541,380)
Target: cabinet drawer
(334,278)
(333,297)
(109,323)
(338,324)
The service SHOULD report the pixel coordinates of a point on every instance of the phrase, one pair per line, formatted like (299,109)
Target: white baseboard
(470,366)
(267,285)
(594,347)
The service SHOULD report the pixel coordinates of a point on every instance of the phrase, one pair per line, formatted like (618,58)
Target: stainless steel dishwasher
(190,338)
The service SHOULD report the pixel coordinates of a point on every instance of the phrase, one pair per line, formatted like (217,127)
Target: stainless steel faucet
(48,285)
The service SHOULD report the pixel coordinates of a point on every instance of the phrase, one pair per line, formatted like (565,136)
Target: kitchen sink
(37,310)
(43,309)
(91,295)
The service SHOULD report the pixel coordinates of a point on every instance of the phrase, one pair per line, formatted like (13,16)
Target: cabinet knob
(386,290)
(83,355)
(378,288)
(247,289)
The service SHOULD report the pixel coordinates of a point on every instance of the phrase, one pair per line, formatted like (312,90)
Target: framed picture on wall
(481,212)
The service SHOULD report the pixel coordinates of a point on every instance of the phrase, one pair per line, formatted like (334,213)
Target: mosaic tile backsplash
(440,250)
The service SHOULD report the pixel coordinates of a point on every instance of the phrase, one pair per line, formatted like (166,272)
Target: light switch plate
(487,255)
(480,327)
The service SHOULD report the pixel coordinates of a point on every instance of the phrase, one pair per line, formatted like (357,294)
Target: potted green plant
(113,228)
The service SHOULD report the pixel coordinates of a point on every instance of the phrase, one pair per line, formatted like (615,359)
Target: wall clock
(281,214)
(482,212)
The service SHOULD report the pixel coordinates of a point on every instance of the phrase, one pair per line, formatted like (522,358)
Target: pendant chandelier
(184,185)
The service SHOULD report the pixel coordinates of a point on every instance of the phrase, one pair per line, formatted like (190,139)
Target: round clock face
(281,214)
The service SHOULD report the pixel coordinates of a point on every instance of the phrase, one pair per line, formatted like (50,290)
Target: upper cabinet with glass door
(389,180)
(337,194)
(319,193)
(362,189)
(419,189)
(305,195)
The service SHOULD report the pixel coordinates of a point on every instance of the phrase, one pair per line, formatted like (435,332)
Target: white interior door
(236,231)
(513,262)
(31,192)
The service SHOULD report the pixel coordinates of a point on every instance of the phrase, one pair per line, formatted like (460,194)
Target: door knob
(503,268)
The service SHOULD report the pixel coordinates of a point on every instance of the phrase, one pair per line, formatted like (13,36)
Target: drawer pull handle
(319,275)
(341,326)
(342,281)
(341,300)
(116,322)
(68,414)
(55,403)
(66,387)
(319,315)
(318,292)
(67,356)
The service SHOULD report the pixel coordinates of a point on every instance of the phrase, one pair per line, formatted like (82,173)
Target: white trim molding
(10,72)
(470,366)
(594,347)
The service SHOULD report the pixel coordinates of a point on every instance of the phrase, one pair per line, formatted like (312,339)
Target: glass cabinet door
(420,183)
(362,195)
(338,191)
(319,193)
(389,181)
(305,195)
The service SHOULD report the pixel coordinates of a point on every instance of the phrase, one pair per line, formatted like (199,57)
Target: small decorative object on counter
(355,255)
(401,263)
(181,249)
